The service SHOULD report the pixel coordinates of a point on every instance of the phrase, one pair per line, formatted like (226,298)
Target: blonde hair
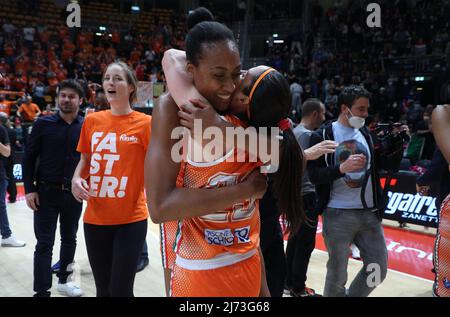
(130,78)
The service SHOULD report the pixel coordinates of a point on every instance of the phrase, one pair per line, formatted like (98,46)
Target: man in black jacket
(48,166)
(350,197)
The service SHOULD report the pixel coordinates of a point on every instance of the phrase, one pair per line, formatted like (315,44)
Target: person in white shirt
(296,93)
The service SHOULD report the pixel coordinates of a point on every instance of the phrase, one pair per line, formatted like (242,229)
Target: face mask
(356,122)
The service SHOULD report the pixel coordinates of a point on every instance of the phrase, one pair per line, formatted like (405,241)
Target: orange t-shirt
(29,112)
(69,46)
(63,32)
(135,56)
(51,55)
(5,106)
(22,66)
(81,40)
(53,66)
(115,37)
(117,145)
(44,36)
(66,54)
(9,50)
(61,74)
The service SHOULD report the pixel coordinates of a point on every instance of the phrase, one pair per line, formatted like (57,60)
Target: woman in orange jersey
(113,144)
(217,245)
(169,229)
(441,131)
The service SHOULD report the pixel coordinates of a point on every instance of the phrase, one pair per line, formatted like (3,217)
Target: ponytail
(287,182)
(269,106)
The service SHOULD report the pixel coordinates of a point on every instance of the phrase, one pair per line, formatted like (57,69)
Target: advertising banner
(405,205)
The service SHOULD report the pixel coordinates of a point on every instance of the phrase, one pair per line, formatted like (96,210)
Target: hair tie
(252,91)
(284,124)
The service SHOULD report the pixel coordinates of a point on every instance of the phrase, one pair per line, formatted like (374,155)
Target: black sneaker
(306,292)
(42,294)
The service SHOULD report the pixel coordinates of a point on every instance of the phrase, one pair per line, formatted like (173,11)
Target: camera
(385,131)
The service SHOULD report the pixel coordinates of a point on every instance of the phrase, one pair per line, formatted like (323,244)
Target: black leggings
(272,244)
(114,253)
(301,245)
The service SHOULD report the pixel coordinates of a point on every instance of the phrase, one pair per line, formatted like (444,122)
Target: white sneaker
(69,289)
(355,252)
(12,242)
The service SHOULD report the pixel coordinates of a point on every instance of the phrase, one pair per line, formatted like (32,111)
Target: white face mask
(356,122)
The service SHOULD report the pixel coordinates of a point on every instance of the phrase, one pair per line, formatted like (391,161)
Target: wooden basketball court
(16,265)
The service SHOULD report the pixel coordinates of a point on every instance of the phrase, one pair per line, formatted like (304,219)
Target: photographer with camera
(350,195)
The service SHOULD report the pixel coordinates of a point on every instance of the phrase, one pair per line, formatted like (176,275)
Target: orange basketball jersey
(221,238)
(234,229)
(168,231)
(442,252)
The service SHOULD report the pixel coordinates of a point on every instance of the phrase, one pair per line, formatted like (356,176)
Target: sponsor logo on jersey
(222,179)
(219,237)
(126,138)
(242,234)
